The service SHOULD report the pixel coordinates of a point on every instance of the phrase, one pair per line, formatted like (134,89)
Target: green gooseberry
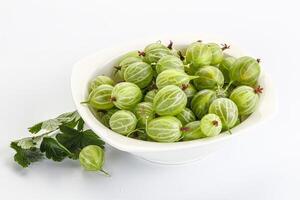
(189,90)
(91,158)
(225,67)
(139,73)
(245,71)
(170,100)
(155,45)
(139,134)
(201,102)
(126,95)
(123,122)
(144,112)
(125,63)
(100,80)
(210,125)
(226,110)
(106,116)
(150,95)
(192,131)
(169,62)
(186,116)
(173,77)
(154,52)
(217,54)
(134,53)
(164,129)
(209,77)
(100,97)
(246,98)
(198,55)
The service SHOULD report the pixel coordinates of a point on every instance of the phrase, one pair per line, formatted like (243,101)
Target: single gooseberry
(150,95)
(125,63)
(134,53)
(189,90)
(210,125)
(106,116)
(173,77)
(123,122)
(169,62)
(144,112)
(192,131)
(201,102)
(217,54)
(198,55)
(246,98)
(170,100)
(100,97)
(154,52)
(139,73)
(245,71)
(226,110)
(126,95)
(164,129)
(91,158)
(209,77)
(225,67)
(100,80)
(186,116)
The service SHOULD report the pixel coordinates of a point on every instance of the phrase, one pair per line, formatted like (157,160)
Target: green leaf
(25,157)
(51,125)
(54,150)
(75,140)
(35,128)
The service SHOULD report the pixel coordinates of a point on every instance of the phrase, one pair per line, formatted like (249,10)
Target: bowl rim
(265,111)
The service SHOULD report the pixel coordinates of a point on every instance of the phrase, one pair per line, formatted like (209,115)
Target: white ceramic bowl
(166,153)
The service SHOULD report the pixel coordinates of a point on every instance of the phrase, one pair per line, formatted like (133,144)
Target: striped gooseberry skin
(198,55)
(189,90)
(91,158)
(245,98)
(134,53)
(225,67)
(186,116)
(210,125)
(173,77)
(152,56)
(226,110)
(126,62)
(106,116)
(164,129)
(155,45)
(209,77)
(100,80)
(126,95)
(144,112)
(192,131)
(201,102)
(139,73)
(123,122)
(217,54)
(170,100)
(100,97)
(245,71)
(169,62)
(150,95)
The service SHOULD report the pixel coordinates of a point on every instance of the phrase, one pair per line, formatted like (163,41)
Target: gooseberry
(170,100)
(209,77)
(154,52)
(125,63)
(126,95)
(164,129)
(150,95)
(139,73)
(107,115)
(225,67)
(192,131)
(123,122)
(189,90)
(217,54)
(201,102)
(144,112)
(186,116)
(169,62)
(100,80)
(100,97)
(210,125)
(198,55)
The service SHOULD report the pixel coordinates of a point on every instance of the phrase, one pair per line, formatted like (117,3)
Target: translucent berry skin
(164,129)
(123,122)
(126,62)
(100,80)
(173,77)
(211,125)
(192,131)
(100,97)
(134,53)
(201,102)
(198,55)
(226,110)
(106,117)
(91,158)
(217,54)
(139,73)
(150,96)
(225,67)
(245,71)
(126,95)
(169,62)
(170,100)
(209,77)
(154,52)
(245,98)
(186,116)
(144,112)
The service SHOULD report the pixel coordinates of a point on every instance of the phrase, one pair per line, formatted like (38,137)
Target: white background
(40,41)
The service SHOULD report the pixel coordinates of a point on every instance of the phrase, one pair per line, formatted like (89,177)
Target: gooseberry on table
(123,122)
(139,73)
(209,77)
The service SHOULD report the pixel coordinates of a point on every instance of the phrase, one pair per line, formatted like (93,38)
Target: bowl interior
(102,63)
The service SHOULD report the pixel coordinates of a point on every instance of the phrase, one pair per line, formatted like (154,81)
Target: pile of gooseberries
(164,94)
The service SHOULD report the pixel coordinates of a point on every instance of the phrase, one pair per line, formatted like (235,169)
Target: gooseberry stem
(225,46)
(85,102)
(180,55)
(105,173)
(227,87)
(170,45)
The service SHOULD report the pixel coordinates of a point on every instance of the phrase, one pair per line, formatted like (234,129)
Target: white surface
(101,63)
(41,40)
